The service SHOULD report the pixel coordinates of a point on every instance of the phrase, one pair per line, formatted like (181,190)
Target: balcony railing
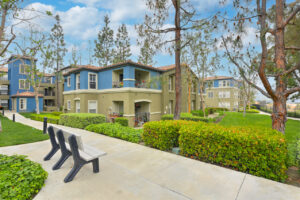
(117,84)
(49,94)
(141,84)
(3,92)
(3,78)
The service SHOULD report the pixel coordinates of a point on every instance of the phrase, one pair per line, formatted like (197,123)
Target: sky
(82,19)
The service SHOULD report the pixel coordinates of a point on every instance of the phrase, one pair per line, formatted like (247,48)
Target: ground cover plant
(185,116)
(292,131)
(81,120)
(52,118)
(117,130)
(20,178)
(16,133)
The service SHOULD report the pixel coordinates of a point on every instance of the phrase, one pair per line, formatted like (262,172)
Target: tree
(122,45)
(154,26)
(147,49)
(278,70)
(58,47)
(104,44)
(74,58)
(201,57)
(36,46)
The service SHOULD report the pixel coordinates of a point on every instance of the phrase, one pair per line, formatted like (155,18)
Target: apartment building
(138,92)
(16,92)
(222,91)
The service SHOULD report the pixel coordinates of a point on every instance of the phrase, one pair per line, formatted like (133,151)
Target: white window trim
(20,69)
(69,81)
(77,81)
(76,106)
(69,105)
(89,81)
(24,102)
(24,84)
(96,105)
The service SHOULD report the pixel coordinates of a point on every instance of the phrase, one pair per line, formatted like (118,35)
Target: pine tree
(146,53)
(122,45)
(59,51)
(104,44)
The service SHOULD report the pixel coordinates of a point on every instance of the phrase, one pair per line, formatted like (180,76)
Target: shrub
(117,130)
(298,153)
(185,116)
(163,135)
(253,107)
(81,120)
(199,113)
(258,151)
(50,119)
(56,113)
(250,111)
(20,178)
(122,120)
(212,110)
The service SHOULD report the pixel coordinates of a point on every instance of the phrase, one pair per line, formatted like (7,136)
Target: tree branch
(292,48)
(292,15)
(291,91)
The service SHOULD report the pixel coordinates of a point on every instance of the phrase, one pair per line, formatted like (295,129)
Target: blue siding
(105,79)
(216,83)
(30,106)
(129,74)
(72,83)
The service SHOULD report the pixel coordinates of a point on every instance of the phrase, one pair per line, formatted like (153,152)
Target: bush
(163,135)
(212,110)
(40,117)
(122,120)
(185,116)
(199,113)
(56,113)
(117,130)
(258,151)
(250,111)
(253,107)
(81,120)
(298,152)
(20,178)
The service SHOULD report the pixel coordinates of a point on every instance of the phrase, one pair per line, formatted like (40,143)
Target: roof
(26,94)
(217,78)
(20,56)
(167,67)
(96,68)
(3,69)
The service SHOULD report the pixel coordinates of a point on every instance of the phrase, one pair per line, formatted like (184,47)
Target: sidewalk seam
(237,195)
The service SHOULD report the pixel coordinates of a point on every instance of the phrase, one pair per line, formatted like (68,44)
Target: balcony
(4,80)
(117,78)
(117,84)
(142,79)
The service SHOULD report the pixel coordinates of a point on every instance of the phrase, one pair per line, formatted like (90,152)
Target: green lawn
(16,133)
(292,130)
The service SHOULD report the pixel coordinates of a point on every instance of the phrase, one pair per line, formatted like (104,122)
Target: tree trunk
(189,98)
(279,114)
(201,98)
(58,104)
(177,61)
(37,103)
(244,106)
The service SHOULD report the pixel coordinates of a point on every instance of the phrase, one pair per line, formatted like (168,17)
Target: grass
(292,131)
(14,133)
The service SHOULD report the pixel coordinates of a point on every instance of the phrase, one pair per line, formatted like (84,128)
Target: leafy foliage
(250,111)
(258,151)
(20,178)
(117,130)
(185,116)
(122,120)
(163,135)
(199,113)
(122,45)
(81,120)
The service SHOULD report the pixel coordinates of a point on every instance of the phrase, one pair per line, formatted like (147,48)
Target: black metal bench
(71,144)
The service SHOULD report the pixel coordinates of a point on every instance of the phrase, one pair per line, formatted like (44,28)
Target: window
(225,94)
(236,95)
(170,107)
(69,81)
(92,81)
(24,84)
(69,105)
(22,103)
(77,104)
(171,83)
(77,81)
(92,106)
(193,106)
(22,69)
(210,95)
(47,79)
(4,103)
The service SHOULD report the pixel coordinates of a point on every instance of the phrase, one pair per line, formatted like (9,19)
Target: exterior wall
(30,105)
(105,99)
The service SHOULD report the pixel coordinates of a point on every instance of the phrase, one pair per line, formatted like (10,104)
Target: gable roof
(3,69)
(20,56)
(26,94)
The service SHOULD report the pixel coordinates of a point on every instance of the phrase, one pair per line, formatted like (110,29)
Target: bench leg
(51,153)
(72,173)
(95,165)
(61,161)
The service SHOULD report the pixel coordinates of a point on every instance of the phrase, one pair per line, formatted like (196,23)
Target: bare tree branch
(292,48)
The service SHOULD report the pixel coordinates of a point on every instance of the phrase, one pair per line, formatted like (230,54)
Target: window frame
(89,101)
(20,67)
(24,104)
(25,81)
(96,81)
(69,81)
(77,81)
(68,104)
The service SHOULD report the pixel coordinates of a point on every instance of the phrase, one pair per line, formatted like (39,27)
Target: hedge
(41,118)
(117,130)
(199,113)
(212,110)
(20,178)
(163,135)
(122,120)
(185,116)
(250,111)
(81,120)
(298,152)
(258,151)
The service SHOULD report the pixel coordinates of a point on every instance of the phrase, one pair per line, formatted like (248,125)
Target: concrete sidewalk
(132,171)
(265,113)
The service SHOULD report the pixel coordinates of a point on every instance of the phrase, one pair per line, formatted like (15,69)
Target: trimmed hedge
(250,111)
(41,118)
(81,120)
(122,120)
(20,178)
(163,135)
(199,113)
(185,116)
(212,110)
(117,130)
(258,151)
